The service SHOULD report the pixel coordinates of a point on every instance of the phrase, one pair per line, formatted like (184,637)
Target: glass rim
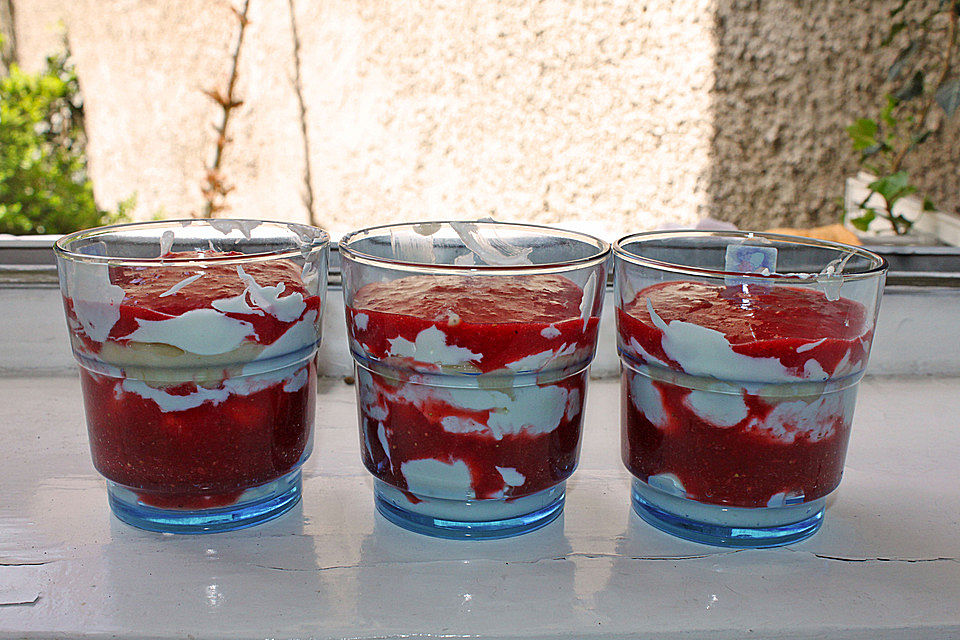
(877,269)
(62,246)
(602,249)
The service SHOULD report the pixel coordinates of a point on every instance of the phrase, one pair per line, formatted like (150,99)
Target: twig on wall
(215,187)
(8,35)
(298,89)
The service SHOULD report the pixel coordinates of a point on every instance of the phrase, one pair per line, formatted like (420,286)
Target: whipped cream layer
(216,319)
(198,374)
(739,397)
(763,334)
(503,441)
(471,388)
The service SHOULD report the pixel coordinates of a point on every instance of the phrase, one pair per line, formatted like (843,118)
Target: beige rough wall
(609,115)
(552,111)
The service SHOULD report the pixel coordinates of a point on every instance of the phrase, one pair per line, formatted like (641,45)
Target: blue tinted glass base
(469,519)
(726,526)
(254,506)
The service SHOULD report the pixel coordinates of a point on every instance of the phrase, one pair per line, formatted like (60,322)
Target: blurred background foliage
(44,184)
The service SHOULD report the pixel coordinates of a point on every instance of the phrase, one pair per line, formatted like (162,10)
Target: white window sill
(886,563)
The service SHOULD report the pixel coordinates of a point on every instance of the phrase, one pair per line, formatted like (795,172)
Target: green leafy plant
(922,76)
(44,185)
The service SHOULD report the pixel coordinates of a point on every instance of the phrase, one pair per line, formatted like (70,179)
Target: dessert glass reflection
(196,341)
(471,342)
(740,359)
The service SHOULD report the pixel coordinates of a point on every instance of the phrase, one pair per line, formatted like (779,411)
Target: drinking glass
(740,359)
(471,342)
(196,342)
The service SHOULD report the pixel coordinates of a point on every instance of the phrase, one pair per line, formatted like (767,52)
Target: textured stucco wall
(610,115)
(790,76)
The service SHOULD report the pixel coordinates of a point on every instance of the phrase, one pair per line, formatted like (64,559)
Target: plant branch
(298,89)
(215,188)
(929,99)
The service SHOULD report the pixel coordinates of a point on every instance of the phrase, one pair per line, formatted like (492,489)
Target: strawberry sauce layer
(485,372)
(727,442)
(501,319)
(202,457)
(197,433)
(145,286)
(762,322)
(415,431)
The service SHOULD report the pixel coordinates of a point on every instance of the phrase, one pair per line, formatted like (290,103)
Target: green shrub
(44,186)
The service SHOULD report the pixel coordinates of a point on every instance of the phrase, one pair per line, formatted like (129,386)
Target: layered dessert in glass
(741,355)
(471,343)
(196,342)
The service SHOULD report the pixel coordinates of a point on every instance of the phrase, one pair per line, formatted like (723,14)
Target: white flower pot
(929,227)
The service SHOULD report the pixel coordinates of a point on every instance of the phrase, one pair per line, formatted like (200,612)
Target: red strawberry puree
(449,407)
(186,429)
(755,412)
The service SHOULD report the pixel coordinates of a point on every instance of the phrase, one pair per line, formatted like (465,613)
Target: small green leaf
(948,95)
(862,222)
(893,182)
(886,114)
(863,133)
(907,191)
(893,187)
(912,89)
(900,225)
(928,204)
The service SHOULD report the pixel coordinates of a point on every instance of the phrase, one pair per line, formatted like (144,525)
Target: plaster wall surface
(607,115)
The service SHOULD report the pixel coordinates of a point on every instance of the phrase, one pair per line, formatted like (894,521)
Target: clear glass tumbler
(740,357)
(196,341)
(471,342)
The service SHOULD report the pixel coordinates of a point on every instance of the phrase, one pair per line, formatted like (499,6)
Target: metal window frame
(28,261)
